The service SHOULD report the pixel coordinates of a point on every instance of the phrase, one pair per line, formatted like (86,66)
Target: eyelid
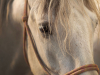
(44,28)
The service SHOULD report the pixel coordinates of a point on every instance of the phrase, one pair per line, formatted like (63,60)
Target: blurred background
(12,60)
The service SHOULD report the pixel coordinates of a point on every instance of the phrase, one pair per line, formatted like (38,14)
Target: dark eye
(44,28)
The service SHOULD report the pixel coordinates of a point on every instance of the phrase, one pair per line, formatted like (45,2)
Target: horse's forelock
(61,6)
(58,5)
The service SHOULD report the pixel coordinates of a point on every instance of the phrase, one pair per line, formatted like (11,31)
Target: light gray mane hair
(61,6)
(61,9)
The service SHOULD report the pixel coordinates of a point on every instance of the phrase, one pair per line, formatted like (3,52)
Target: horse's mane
(52,4)
(59,8)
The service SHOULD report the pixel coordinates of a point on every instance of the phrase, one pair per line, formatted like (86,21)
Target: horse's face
(62,50)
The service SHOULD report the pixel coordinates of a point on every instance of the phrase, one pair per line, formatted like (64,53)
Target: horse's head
(63,33)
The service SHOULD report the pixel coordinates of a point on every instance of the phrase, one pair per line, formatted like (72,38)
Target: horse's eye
(44,28)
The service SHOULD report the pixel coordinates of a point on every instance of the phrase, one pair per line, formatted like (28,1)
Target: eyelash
(44,29)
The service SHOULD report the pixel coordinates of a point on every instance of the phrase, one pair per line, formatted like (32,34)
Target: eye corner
(44,28)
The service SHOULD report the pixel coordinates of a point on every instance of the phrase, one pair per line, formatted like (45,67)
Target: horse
(11,55)
(59,34)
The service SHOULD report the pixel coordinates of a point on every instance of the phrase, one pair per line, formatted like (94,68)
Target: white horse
(63,31)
